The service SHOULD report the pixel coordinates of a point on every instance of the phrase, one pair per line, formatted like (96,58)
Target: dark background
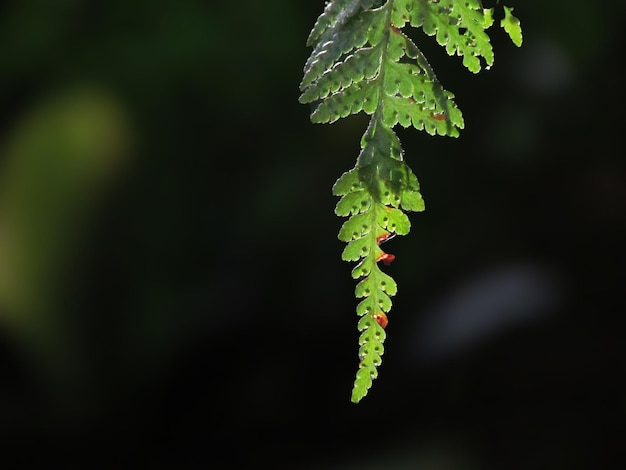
(183,303)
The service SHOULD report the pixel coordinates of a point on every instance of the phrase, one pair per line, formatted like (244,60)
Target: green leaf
(346,183)
(363,268)
(336,12)
(353,203)
(394,220)
(412,201)
(457,26)
(362,61)
(360,96)
(348,32)
(370,351)
(384,283)
(381,301)
(363,64)
(356,250)
(371,345)
(355,227)
(488,14)
(512,26)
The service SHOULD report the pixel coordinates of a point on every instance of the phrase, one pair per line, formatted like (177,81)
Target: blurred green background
(171,290)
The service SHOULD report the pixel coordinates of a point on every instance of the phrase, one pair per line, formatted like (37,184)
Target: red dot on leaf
(385,258)
(381,319)
(384,237)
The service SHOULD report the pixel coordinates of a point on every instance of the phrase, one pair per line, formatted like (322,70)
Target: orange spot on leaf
(384,237)
(385,258)
(381,319)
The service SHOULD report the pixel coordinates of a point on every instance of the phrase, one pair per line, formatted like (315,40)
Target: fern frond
(363,61)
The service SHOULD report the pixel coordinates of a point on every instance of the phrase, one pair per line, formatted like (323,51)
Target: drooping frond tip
(363,61)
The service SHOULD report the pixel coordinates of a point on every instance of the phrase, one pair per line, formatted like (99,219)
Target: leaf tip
(512,26)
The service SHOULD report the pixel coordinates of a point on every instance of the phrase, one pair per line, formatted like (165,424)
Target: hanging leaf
(363,62)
